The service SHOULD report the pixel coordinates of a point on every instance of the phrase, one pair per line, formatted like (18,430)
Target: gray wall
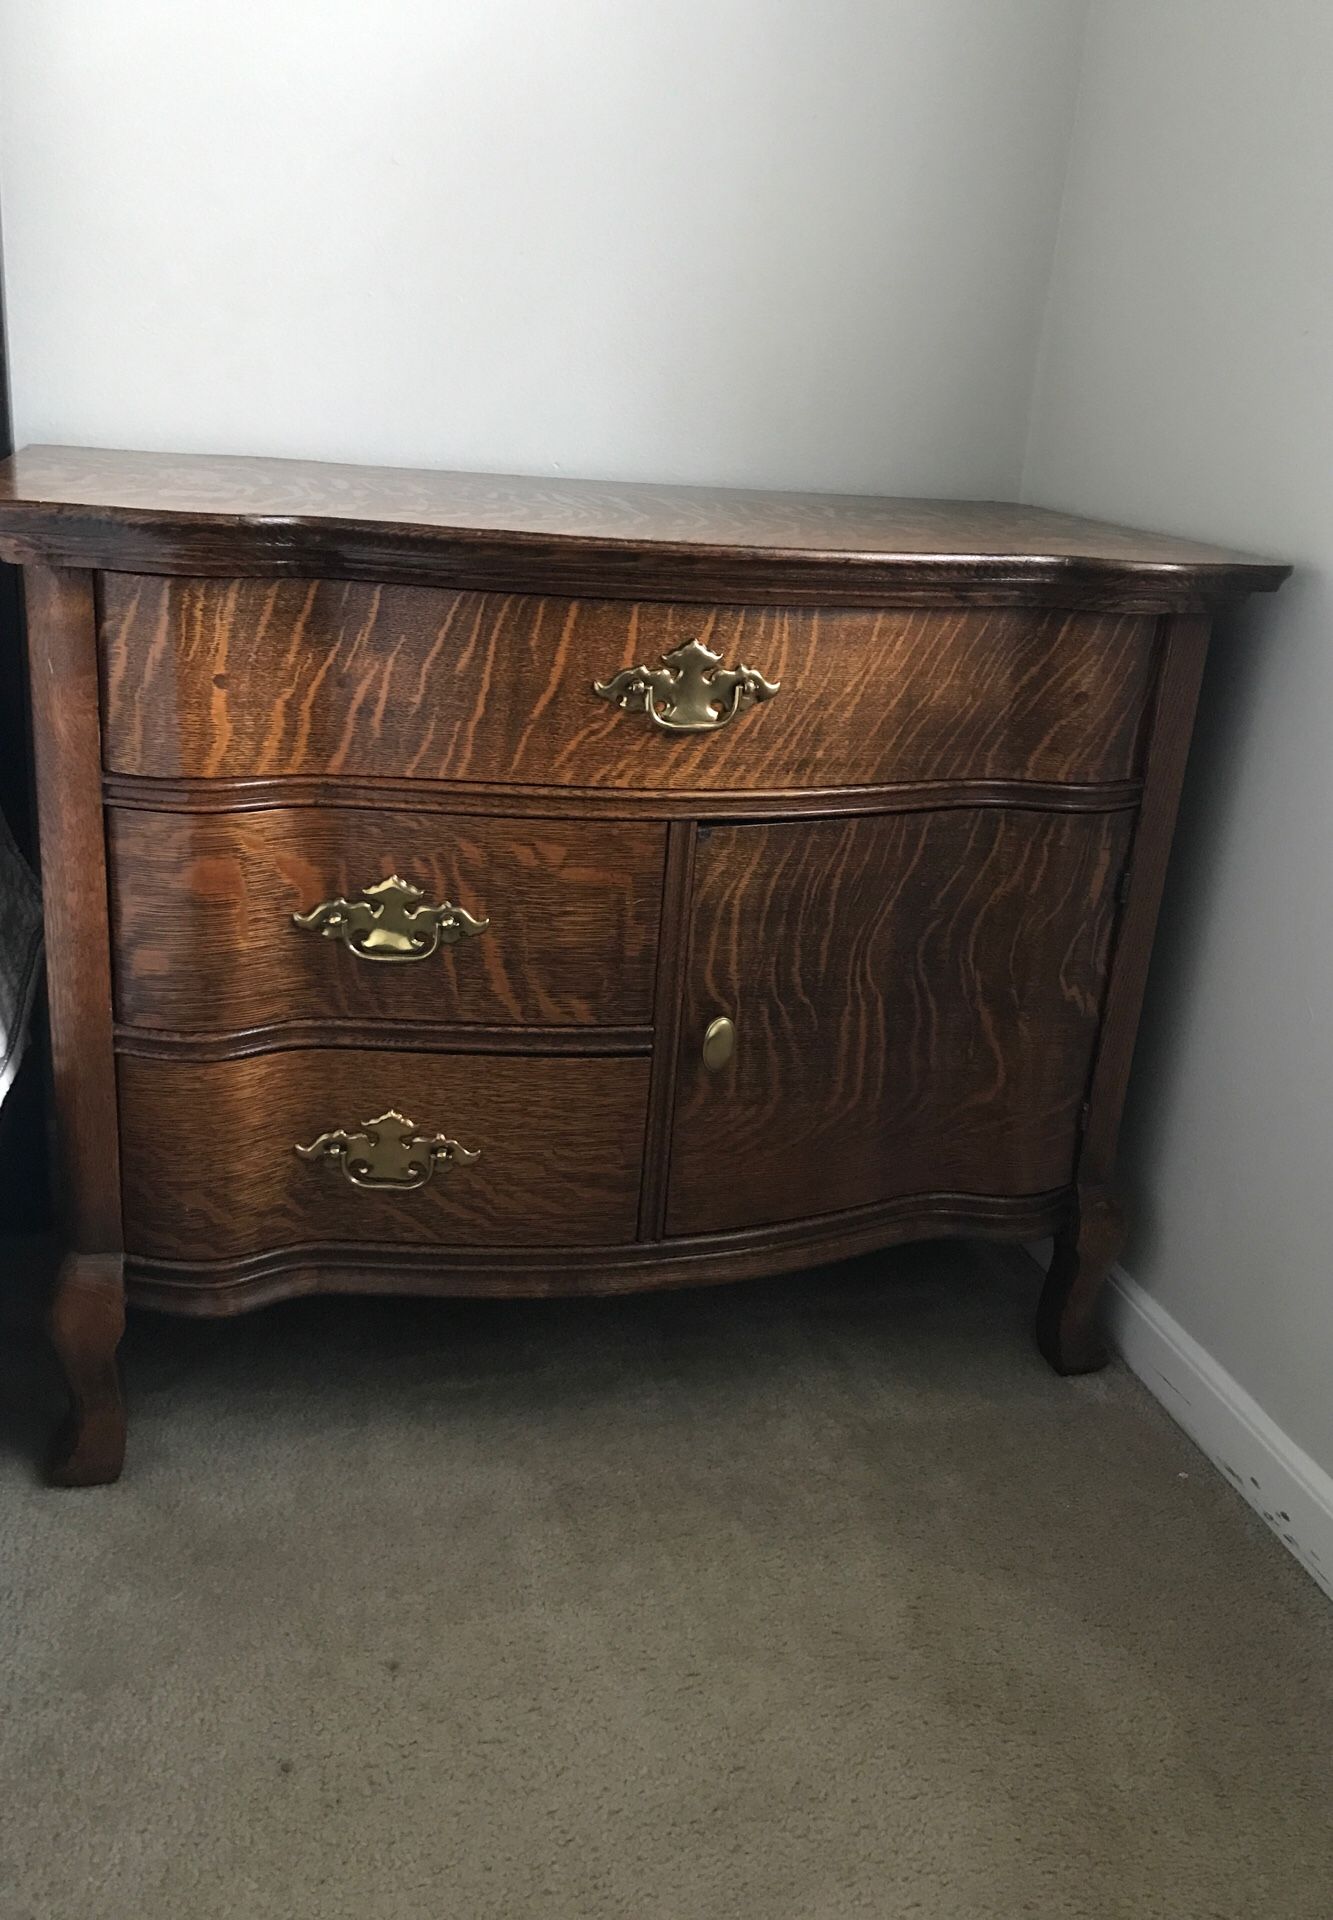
(1186,382)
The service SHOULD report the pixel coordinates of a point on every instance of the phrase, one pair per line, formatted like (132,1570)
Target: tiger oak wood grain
(210,1166)
(218,514)
(204,938)
(253,678)
(922,879)
(916,1001)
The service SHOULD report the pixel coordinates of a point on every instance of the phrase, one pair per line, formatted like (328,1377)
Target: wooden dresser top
(220,515)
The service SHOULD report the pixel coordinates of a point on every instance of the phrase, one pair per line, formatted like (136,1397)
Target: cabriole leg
(86,1321)
(1067,1329)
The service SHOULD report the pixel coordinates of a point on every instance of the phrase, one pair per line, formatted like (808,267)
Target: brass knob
(719,1043)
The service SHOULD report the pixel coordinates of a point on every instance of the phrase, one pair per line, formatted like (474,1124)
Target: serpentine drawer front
(461,884)
(213,1171)
(210,679)
(239,920)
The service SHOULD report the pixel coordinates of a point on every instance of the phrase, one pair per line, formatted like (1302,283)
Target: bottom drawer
(211,1168)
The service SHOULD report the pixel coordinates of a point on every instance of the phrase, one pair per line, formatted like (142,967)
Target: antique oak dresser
(464,884)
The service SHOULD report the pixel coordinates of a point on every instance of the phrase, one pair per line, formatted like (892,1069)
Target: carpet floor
(796,1601)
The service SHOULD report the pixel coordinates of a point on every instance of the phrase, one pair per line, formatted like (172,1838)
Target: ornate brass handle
(390,922)
(388,1152)
(691,692)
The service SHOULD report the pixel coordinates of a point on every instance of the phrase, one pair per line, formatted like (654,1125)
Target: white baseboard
(1283,1484)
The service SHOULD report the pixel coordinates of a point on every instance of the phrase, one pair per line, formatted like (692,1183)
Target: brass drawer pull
(719,1043)
(390,922)
(388,1152)
(691,692)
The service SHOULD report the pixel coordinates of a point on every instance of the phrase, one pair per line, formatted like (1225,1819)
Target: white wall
(1186,382)
(794,242)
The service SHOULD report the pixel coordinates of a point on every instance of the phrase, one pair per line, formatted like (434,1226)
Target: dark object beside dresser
(463,884)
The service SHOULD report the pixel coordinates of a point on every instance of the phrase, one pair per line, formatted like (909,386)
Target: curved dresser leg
(1067,1331)
(86,1321)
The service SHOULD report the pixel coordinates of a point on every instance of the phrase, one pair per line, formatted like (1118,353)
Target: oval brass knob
(719,1043)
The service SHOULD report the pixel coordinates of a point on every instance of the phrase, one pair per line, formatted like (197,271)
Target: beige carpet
(789,1602)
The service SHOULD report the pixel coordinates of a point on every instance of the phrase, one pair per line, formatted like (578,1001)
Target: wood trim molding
(142,542)
(548,803)
(672,954)
(398,1036)
(1289,1491)
(215,1288)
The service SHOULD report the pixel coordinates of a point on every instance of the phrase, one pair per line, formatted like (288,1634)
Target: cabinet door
(916,997)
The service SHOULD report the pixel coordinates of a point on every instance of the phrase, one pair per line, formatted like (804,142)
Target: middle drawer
(205,937)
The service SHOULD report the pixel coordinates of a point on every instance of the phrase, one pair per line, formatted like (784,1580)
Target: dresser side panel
(1171,726)
(63,667)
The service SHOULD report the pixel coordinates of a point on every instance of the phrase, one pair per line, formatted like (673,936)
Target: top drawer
(255,678)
